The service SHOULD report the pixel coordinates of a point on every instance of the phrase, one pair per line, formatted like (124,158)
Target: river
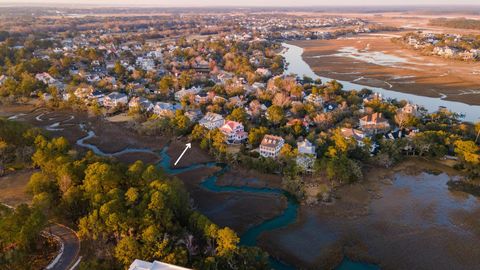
(296,65)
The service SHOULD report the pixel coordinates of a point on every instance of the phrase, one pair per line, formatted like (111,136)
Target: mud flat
(237,210)
(194,155)
(376,61)
(402,219)
(241,177)
(13,187)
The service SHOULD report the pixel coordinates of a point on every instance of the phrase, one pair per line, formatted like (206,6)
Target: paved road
(71,246)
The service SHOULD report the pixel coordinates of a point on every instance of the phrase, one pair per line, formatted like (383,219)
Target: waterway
(296,65)
(249,238)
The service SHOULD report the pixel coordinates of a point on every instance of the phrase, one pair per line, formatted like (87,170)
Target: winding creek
(296,65)
(249,238)
(408,212)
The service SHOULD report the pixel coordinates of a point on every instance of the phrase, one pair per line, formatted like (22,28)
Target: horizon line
(134,6)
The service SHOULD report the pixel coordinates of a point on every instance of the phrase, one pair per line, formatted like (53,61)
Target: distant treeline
(462,23)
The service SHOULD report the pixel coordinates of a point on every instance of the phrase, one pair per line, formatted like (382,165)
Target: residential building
(314,99)
(185,92)
(166,109)
(411,109)
(115,99)
(83,92)
(271,145)
(194,115)
(355,134)
(212,120)
(141,103)
(155,265)
(3,78)
(306,155)
(45,78)
(234,132)
(374,123)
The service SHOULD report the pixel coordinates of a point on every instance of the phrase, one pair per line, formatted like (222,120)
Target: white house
(3,78)
(212,121)
(194,115)
(185,92)
(166,109)
(115,99)
(411,109)
(142,103)
(314,99)
(306,155)
(234,132)
(264,72)
(271,145)
(145,63)
(45,78)
(155,265)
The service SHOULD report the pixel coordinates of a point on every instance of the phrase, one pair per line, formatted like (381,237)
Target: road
(71,247)
(69,254)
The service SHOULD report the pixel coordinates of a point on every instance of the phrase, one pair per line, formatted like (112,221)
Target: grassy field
(13,188)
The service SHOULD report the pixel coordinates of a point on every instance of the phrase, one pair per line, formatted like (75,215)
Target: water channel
(296,65)
(249,238)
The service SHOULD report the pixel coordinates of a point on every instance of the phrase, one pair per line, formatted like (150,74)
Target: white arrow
(188,146)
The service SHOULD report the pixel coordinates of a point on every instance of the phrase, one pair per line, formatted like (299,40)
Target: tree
(119,69)
(227,241)
(477,130)
(288,152)
(256,135)
(239,115)
(199,132)
(165,84)
(28,84)
(180,122)
(19,235)
(275,114)
(468,153)
(127,250)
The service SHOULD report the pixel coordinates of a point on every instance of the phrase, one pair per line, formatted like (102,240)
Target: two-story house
(374,123)
(271,145)
(234,132)
(212,121)
(306,155)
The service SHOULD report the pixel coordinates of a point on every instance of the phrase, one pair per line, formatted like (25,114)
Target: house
(410,109)
(185,92)
(3,78)
(234,132)
(271,145)
(83,92)
(194,115)
(45,78)
(146,64)
(141,103)
(155,265)
(314,99)
(264,72)
(96,95)
(373,97)
(306,155)
(212,121)
(351,133)
(374,123)
(236,101)
(115,99)
(166,109)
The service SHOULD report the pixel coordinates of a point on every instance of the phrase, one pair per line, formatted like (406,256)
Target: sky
(203,3)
